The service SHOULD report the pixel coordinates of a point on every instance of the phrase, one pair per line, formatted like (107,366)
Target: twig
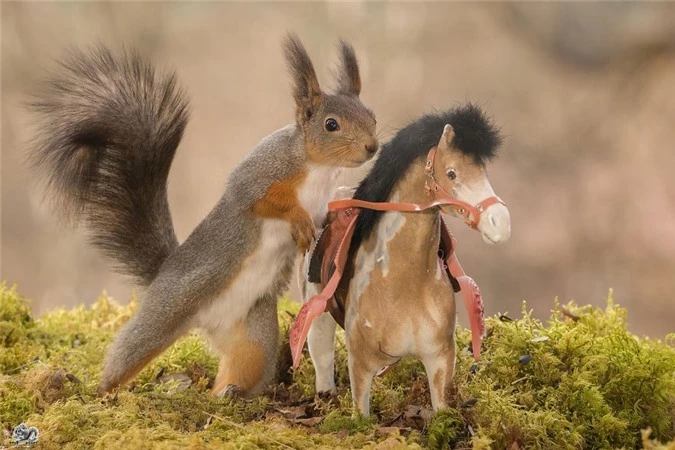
(520,379)
(17,369)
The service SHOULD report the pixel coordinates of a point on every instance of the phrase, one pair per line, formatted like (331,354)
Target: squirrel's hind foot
(230,391)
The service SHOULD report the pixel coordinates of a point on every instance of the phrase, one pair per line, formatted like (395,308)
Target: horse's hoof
(328,394)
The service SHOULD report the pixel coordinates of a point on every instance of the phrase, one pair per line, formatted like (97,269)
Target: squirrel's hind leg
(248,350)
(146,335)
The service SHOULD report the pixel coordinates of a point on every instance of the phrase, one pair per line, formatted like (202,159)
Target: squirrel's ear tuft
(348,78)
(306,90)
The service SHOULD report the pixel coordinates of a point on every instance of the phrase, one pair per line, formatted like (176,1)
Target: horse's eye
(332,125)
(452,174)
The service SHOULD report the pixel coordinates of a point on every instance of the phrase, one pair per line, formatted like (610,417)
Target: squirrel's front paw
(303,233)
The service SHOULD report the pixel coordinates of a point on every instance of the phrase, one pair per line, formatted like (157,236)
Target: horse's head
(464,177)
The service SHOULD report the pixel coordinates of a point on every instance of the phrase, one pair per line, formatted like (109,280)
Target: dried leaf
(416,416)
(426,414)
(309,422)
(412,411)
(293,412)
(391,422)
(182,379)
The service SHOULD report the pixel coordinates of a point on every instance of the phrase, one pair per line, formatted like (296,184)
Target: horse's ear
(306,90)
(448,136)
(348,77)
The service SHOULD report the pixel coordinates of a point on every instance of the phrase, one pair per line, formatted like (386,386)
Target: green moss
(445,429)
(585,383)
(340,420)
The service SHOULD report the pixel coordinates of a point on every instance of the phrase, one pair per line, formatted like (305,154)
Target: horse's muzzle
(495,224)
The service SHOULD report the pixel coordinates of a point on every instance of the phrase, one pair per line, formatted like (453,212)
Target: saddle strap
(318,303)
(473,301)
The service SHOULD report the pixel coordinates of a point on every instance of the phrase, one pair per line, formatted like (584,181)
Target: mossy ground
(579,381)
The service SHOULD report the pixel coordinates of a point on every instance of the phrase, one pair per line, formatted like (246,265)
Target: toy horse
(385,266)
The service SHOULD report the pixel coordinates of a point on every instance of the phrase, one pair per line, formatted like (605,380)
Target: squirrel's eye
(332,125)
(452,174)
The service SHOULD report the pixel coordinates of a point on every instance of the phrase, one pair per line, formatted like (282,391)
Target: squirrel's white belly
(258,273)
(317,190)
(260,269)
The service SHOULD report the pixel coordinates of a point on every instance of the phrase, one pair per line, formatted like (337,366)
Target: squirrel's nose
(371,147)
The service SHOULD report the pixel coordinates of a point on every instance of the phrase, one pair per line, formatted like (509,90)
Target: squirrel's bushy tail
(109,129)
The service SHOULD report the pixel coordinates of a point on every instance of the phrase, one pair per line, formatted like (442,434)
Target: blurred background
(584,94)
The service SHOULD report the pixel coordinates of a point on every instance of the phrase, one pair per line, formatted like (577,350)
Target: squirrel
(110,126)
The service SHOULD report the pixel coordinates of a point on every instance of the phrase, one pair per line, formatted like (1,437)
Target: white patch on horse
(388,226)
(439,271)
(367,323)
(475,193)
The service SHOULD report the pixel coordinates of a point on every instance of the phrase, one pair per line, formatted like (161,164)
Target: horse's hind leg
(321,342)
(440,368)
(362,370)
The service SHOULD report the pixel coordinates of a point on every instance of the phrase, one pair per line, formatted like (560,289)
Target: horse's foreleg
(440,368)
(321,343)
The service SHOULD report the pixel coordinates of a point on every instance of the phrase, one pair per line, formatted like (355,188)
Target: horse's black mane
(475,135)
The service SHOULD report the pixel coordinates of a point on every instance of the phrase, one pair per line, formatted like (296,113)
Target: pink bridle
(462,208)
(439,196)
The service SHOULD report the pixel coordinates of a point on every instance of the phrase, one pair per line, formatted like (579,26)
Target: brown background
(584,94)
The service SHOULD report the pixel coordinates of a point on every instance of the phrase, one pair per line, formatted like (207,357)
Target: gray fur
(276,157)
(306,90)
(109,130)
(348,77)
